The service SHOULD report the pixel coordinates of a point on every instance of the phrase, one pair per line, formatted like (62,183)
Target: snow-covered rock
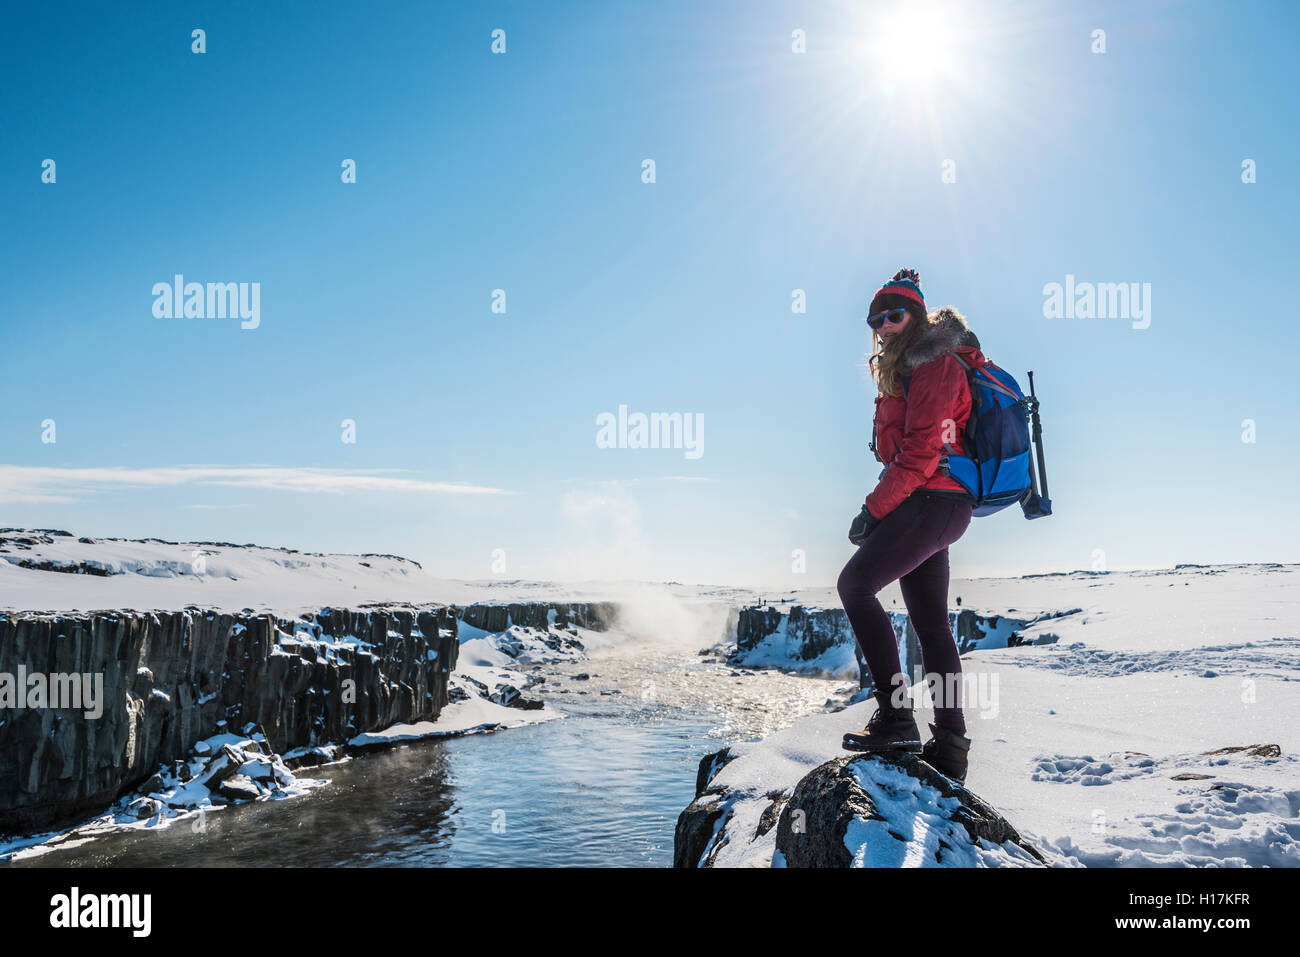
(893,810)
(888,810)
(482,699)
(813,640)
(220,770)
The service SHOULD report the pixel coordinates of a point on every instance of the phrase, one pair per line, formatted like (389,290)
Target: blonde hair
(886,359)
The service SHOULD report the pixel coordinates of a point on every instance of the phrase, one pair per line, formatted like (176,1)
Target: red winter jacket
(910,431)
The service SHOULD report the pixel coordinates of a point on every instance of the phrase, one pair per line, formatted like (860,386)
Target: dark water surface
(602,786)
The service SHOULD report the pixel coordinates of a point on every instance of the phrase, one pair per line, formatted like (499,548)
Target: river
(602,786)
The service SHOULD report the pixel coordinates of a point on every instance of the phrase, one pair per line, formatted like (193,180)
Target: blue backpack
(998,471)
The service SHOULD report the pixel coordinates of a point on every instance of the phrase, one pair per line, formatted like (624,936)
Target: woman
(911,517)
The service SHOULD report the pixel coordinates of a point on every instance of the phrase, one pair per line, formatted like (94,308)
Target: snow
(1104,745)
(1081,756)
(152,574)
(774,651)
(475,715)
(922,818)
(1091,743)
(327,648)
(262,777)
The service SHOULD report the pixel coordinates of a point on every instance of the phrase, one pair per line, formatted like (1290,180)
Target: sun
(910,45)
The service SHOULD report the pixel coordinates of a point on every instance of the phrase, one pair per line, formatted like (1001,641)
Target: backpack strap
(994,384)
(948,449)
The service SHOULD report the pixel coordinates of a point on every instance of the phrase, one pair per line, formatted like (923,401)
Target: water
(602,786)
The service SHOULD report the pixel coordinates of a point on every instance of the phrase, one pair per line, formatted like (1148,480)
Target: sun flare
(912,44)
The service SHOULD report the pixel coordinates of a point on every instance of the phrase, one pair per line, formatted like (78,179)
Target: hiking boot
(946,752)
(889,729)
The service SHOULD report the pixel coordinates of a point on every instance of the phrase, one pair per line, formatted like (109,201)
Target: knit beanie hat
(903,291)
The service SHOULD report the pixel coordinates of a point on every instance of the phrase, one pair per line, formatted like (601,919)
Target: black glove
(862,526)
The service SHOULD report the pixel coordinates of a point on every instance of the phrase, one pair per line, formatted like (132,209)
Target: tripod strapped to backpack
(1033,504)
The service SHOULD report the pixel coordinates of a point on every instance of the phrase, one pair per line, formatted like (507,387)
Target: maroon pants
(910,546)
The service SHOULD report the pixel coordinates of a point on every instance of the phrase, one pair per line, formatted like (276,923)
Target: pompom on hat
(901,292)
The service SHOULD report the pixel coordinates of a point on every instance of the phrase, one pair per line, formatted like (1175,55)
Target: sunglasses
(892,316)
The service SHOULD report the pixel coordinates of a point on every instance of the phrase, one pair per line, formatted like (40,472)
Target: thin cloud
(20,483)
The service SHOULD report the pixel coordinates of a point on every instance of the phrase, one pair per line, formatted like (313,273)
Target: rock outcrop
(892,810)
(798,634)
(170,679)
(596,615)
(699,827)
(809,633)
(886,810)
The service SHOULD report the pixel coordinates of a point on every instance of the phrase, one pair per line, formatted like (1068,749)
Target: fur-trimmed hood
(946,330)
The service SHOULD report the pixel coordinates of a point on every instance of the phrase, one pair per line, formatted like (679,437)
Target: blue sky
(521,171)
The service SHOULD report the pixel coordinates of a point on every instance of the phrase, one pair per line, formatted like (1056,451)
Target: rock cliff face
(696,839)
(598,616)
(809,633)
(170,679)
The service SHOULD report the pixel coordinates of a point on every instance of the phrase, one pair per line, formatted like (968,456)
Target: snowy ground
(1106,748)
(168,576)
(1095,747)
(1087,768)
